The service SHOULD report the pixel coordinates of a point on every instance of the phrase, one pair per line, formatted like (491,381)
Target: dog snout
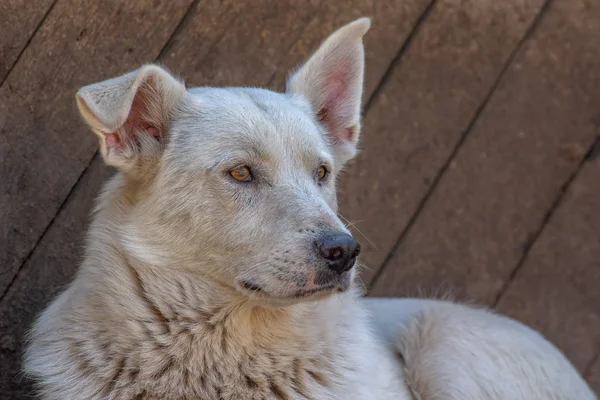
(339,249)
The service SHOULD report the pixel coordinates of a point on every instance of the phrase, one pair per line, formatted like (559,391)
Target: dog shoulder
(52,357)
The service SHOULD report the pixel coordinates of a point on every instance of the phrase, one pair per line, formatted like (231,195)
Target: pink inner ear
(336,109)
(127,135)
(112,141)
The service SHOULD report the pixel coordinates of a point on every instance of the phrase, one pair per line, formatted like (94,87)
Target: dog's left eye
(322,173)
(241,173)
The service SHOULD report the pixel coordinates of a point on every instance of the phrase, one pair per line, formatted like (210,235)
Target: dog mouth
(251,287)
(255,289)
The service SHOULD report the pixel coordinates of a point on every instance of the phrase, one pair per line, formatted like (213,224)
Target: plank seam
(412,220)
(310,19)
(547,217)
(396,60)
(35,31)
(180,26)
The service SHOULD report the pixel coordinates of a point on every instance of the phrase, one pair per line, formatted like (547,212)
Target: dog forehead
(216,122)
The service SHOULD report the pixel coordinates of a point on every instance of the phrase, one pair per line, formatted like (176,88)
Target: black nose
(339,249)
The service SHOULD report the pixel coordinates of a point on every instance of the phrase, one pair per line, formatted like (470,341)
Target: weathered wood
(526,143)
(43,148)
(557,290)
(420,114)
(18,22)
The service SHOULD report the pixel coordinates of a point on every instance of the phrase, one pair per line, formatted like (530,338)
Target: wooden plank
(415,123)
(198,51)
(18,21)
(557,290)
(527,142)
(42,151)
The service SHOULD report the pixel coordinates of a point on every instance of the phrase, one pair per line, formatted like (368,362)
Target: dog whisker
(365,266)
(258,266)
(353,225)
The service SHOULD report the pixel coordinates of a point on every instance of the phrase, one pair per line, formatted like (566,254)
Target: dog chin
(294,294)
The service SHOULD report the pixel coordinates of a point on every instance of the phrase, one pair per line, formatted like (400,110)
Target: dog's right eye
(322,173)
(241,173)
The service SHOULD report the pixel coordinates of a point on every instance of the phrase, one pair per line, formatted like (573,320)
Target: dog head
(238,184)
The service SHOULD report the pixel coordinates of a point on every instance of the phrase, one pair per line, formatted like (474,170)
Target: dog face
(238,184)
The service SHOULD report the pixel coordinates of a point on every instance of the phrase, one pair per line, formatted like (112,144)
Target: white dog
(216,266)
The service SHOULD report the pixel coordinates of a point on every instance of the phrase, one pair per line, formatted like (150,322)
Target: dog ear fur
(131,114)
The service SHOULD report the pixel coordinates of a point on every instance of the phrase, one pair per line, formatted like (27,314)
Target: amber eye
(322,173)
(241,173)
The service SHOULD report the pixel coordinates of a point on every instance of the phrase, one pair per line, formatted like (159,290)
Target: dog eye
(241,173)
(322,173)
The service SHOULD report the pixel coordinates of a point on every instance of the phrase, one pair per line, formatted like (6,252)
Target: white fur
(198,286)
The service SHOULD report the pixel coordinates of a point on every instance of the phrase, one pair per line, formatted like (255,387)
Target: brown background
(480,166)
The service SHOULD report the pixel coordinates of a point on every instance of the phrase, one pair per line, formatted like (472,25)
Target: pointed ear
(131,115)
(332,81)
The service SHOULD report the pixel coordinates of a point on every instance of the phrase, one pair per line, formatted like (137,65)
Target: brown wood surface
(431,66)
(19,20)
(525,145)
